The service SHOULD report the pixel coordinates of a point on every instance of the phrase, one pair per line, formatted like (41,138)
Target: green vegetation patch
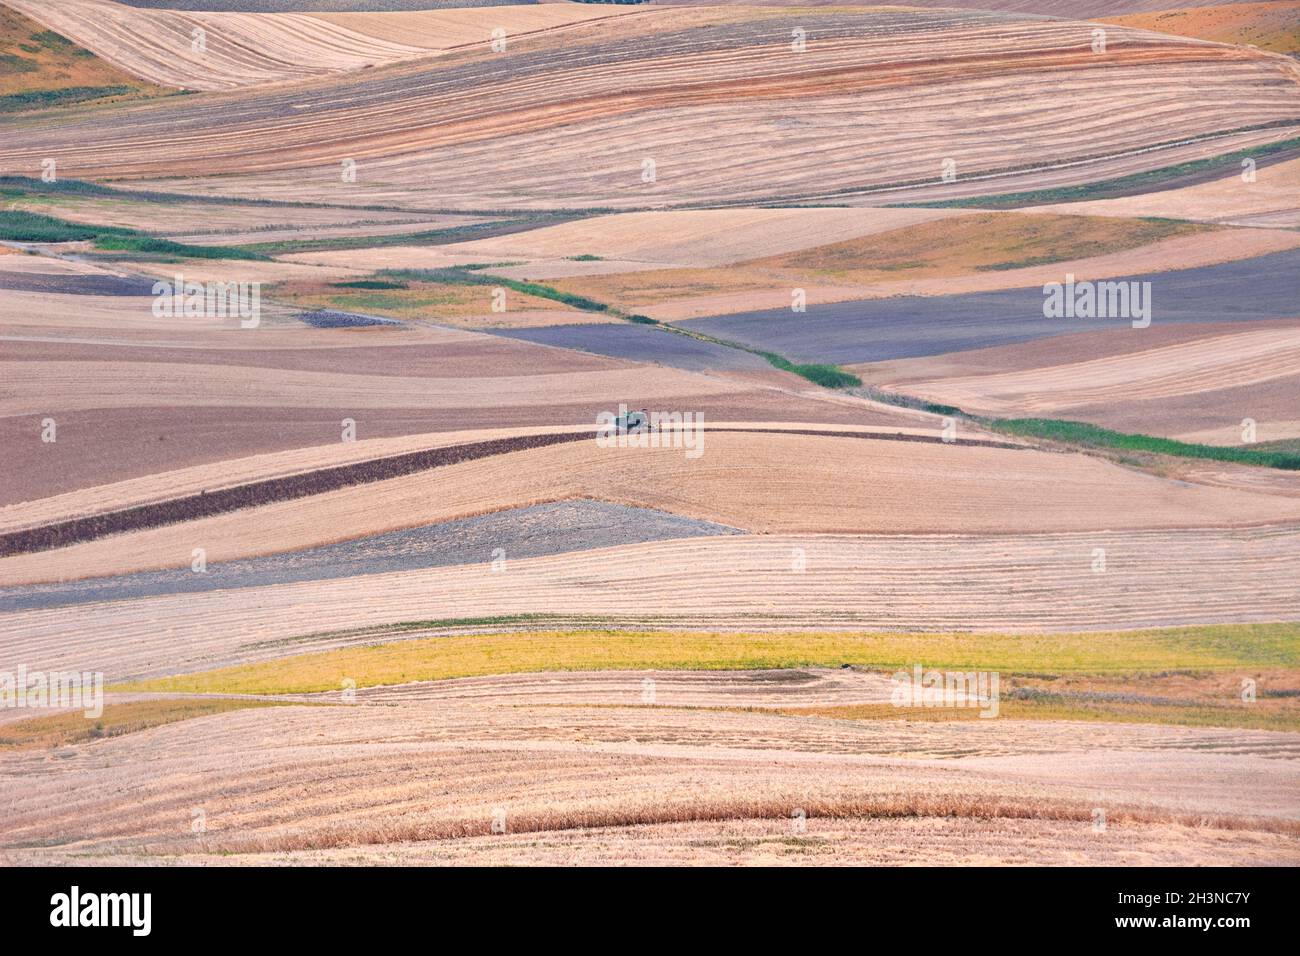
(471,275)
(370,284)
(40,99)
(22,226)
(426,237)
(1094,436)
(166,247)
(828,376)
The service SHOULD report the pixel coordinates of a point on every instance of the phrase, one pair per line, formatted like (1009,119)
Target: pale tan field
(56,315)
(1224,361)
(1051,351)
(1271,429)
(446,303)
(718,101)
(229,224)
(699,237)
(948,257)
(765,483)
(632,783)
(72,386)
(389,257)
(1200,383)
(929,258)
(1272,200)
(1081,172)
(249,49)
(878,841)
(50,312)
(1023,583)
(230,472)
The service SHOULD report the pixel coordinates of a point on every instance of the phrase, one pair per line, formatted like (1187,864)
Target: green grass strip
(165,247)
(40,99)
(828,376)
(21,226)
(466,275)
(1094,436)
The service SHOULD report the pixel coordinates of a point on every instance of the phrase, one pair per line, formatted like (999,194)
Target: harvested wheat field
(232,223)
(462,433)
(980,252)
(1209,383)
(1051,8)
(706,237)
(1237,359)
(691,88)
(873,581)
(249,49)
(670,777)
(763,481)
(210,384)
(1272,199)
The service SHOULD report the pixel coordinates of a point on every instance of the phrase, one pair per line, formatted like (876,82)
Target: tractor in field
(629,422)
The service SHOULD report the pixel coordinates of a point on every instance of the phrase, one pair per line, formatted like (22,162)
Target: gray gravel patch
(556,528)
(332,319)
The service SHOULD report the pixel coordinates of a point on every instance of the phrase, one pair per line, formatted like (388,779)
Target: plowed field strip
(263,492)
(287,488)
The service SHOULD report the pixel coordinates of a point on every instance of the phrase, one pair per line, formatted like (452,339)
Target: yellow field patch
(447,303)
(1199,648)
(74,727)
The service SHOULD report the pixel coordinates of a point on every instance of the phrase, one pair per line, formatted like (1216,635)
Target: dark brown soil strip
(253,494)
(204,504)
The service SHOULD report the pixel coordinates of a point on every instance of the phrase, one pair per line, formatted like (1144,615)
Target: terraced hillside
(638,783)
(688,90)
(224,50)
